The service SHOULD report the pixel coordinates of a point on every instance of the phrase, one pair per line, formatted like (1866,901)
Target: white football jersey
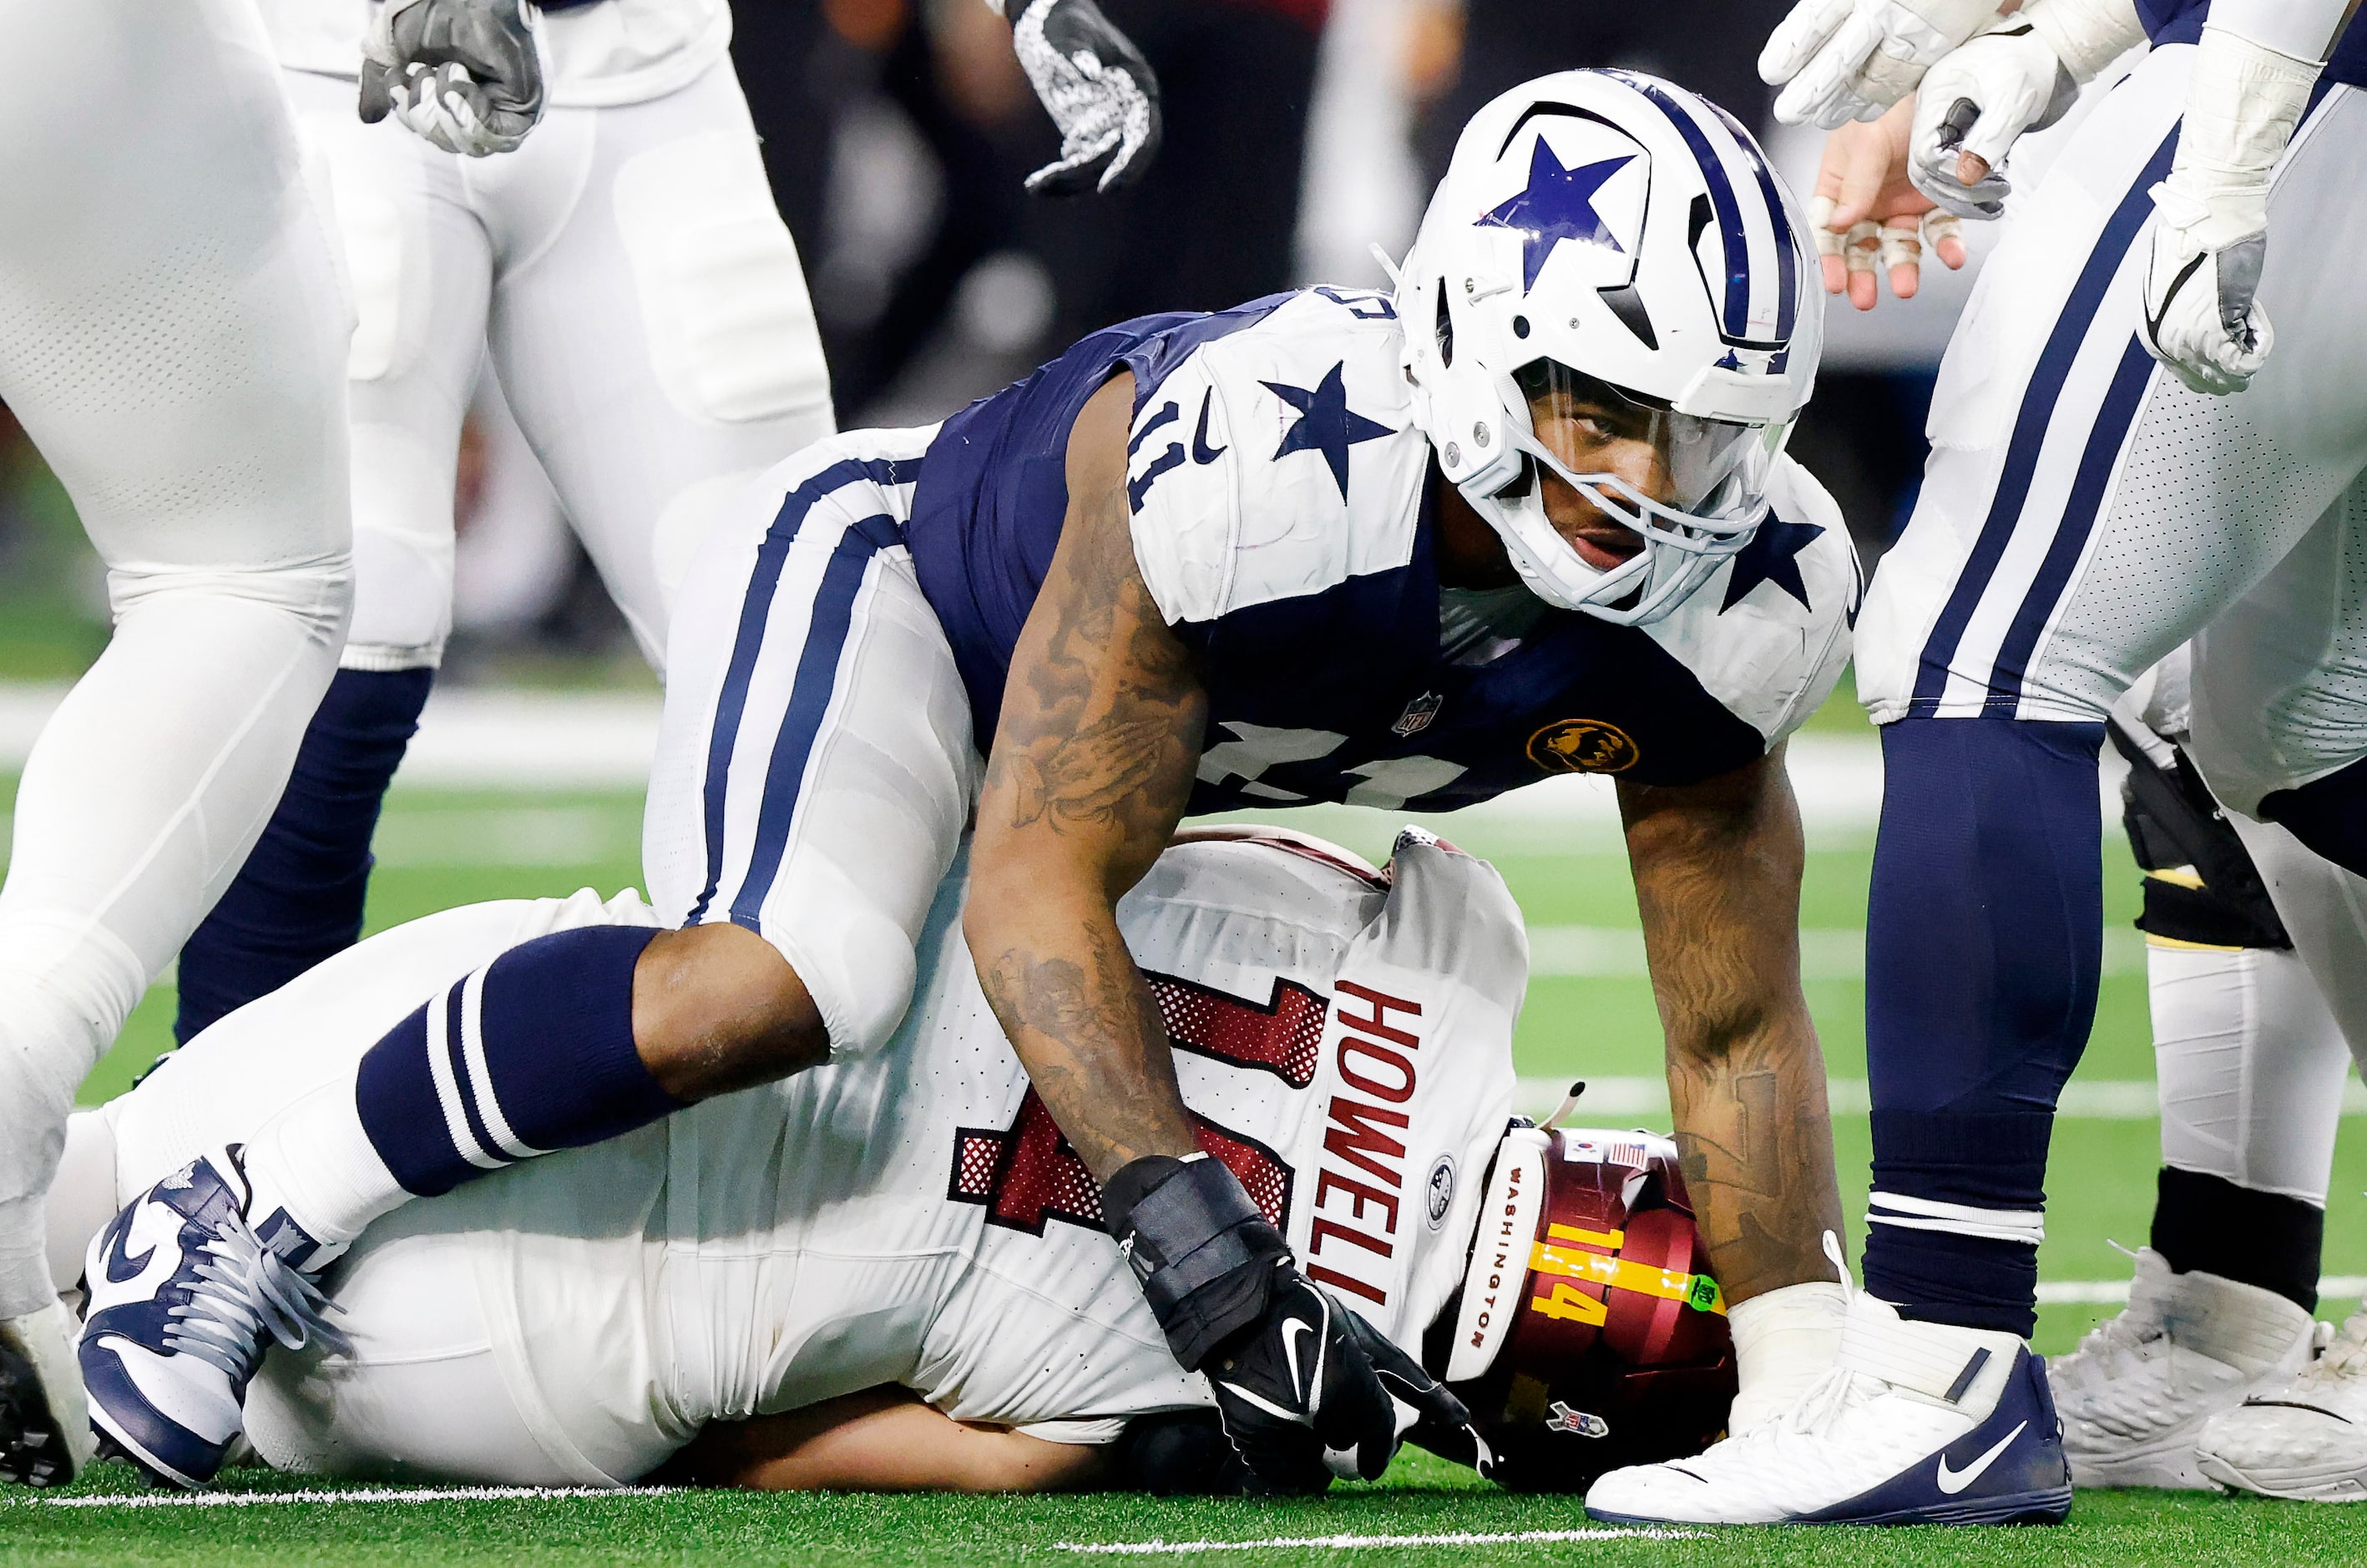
(609,52)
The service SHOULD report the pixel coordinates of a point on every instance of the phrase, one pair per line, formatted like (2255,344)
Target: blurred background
(1300,133)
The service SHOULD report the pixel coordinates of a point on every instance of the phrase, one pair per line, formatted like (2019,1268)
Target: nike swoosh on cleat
(1955,1480)
(1201,451)
(121,1267)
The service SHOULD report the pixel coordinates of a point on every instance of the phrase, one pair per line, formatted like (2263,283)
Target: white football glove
(463,73)
(1979,101)
(1097,88)
(1844,60)
(2022,74)
(2211,216)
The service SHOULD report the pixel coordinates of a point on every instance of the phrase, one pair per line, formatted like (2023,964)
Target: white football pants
(173,337)
(2251,1048)
(646,316)
(2083,513)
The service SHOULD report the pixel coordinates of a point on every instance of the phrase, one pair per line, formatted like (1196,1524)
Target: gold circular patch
(1582,745)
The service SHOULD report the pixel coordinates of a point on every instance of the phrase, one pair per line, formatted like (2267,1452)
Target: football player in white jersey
(918,1288)
(613,243)
(1529,515)
(172,333)
(2092,501)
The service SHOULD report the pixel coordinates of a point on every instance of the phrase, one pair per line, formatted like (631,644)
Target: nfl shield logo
(1418,715)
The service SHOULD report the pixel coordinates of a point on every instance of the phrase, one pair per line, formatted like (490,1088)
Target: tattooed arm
(1717,877)
(1092,765)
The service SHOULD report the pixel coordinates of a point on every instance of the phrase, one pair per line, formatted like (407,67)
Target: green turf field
(440,849)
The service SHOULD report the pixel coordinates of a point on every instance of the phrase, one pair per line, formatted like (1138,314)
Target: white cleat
(1918,1422)
(2135,1395)
(188,1291)
(2306,1440)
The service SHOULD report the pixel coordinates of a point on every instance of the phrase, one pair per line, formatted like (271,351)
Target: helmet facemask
(1692,491)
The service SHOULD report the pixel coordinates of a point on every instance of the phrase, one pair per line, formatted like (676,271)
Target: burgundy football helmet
(1588,1334)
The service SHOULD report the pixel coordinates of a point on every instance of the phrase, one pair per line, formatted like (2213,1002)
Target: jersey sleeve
(1273,454)
(1768,636)
(1182,488)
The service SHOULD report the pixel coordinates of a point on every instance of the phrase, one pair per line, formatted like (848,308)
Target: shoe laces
(241,1291)
(1832,1395)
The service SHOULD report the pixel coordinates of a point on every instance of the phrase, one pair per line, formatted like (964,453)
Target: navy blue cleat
(186,1296)
(1918,1424)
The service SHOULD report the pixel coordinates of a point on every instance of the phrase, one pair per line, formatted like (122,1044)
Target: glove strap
(2086,34)
(1204,1253)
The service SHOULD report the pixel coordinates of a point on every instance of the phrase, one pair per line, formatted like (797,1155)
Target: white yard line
(1365,1542)
(409,1494)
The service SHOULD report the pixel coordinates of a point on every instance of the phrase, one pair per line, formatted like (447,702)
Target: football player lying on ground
(891,1272)
(1530,517)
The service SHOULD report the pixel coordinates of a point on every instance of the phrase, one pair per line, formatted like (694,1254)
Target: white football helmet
(1609,236)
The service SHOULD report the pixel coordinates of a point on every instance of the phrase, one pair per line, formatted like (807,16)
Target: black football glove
(463,73)
(1097,88)
(1304,1385)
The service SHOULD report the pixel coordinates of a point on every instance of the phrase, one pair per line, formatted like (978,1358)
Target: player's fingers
(1861,247)
(1902,256)
(1971,169)
(1944,235)
(1863,174)
(1828,243)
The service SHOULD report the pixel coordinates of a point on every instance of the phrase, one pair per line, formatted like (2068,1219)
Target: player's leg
(653,335)
(420,268)
(180,1143)
(2081,516)
(170,335)
(802,842)
(2249,1064)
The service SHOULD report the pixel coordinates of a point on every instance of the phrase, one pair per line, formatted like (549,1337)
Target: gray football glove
(463,73)
(1097,88)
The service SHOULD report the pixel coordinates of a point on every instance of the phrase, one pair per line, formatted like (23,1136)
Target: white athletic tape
(402,1495)
(1365,1542)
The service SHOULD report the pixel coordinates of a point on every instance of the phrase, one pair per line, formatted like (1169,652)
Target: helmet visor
(1710,468)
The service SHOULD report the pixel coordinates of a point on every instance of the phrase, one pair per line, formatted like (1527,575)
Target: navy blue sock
(531,1053)
(299,898)
(2329,814)
(1984,942)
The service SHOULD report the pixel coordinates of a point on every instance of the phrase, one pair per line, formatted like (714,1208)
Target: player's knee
(718,1008)
(314,594)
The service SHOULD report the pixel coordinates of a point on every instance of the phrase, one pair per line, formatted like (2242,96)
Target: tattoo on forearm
(1718,879)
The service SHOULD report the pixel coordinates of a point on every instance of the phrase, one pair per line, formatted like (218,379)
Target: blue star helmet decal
(1325,423)
(1558,204)
(1772,556)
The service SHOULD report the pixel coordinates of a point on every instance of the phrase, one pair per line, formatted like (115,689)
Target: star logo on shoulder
(1772,556)
(1325,423)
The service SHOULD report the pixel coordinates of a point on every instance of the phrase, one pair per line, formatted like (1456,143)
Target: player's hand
(2200,318)
(1311,1391)
(1307,1389)
(1097,88)
(1844,60)
(463,73)
(1866,213)
(2211,216)
(1972,106)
